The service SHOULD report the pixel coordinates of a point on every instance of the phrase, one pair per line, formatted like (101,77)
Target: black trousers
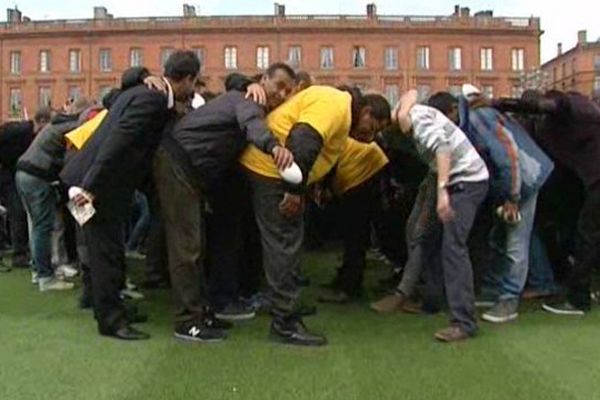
(17,220)
(357,211)
(587,252)
(106,252)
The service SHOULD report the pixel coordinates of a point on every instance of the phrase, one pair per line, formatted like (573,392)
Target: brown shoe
(389,303)
(412,307)
(452,334)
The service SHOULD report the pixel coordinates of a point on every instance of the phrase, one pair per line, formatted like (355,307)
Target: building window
(16,103)
(231,57)
(487,91)
(516,92)
(359,57)
(103,91)
(455,59)
(75,61)
(200,53)
(487,59)
(327,61)
(74,92)
(15,62)
(45,61)
(105,60)
(391,58)
(455,90)
(597,62)
(424,92)
(136,57)
(45,97)
(518,59)
(597,86)
(164,55)
(392,94)
(262,57)
(295,56)
(423,58)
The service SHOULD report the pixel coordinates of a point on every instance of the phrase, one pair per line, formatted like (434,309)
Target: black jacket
(117,157)
(15,138)
(45,156)
(208,141)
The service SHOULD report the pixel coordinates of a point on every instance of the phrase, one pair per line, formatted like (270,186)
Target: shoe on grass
(565,308)
(452,334)
(485,302)
(532,294)
(131,294)
(413,307)
(236,312)
(335,297)
(135,255)
(292,331)
(390,303)
(35,280)
(66,272)
(504,311)
(200,333)
(54,284)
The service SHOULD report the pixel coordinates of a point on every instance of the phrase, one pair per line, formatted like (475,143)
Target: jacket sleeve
(238,82)
(251,119)
(133,77)
(503,154)
(305,143)
(140,116)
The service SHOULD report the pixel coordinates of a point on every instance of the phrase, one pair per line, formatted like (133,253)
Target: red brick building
(45,62)
(577,69)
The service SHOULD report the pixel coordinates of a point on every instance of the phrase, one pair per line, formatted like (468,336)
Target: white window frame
(105,60)
(136,57)
(75,61)
(423,58)
(295,56)
(391,58)
(392,94)
(487,59)
(455,59)
(15,96)
(44,93)
(262,57)
(327,58)
(518,59)
(16,63)
(230,55)
(45,61)
(359,57)
(201,54)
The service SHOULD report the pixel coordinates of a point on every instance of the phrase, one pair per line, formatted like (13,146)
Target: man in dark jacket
(37,179)
(15,138)
(109,168)
(196,161)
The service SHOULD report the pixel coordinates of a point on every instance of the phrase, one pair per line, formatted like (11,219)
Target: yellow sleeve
(324,112)
(78,137)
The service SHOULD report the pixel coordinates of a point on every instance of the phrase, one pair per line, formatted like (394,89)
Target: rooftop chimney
(101,13)
(13,15)
(189,10)
(456,10)
(485,13)
(371,10)
(582,37)
(559,49)
(279,10)
(465,12)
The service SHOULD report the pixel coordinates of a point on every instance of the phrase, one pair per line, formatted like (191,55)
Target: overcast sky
(560,19)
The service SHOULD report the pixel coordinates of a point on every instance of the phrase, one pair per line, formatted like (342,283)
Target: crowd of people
(472,202)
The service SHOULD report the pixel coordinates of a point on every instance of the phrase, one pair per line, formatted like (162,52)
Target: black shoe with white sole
(199,332)
(565,308)
(236,312)
(292,331)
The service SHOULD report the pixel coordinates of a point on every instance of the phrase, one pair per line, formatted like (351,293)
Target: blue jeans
(39,199)
(510,254)
(541,275)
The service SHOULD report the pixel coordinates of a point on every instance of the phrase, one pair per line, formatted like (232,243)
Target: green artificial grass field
(50,350)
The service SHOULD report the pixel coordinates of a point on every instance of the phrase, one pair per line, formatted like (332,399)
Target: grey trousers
(180,204)
(281,243)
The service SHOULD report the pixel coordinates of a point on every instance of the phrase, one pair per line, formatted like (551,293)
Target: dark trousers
(156,248)
(452,255)
(106,252)
(180,203)
(17,219)
(587,253)
(357,211)
(225,256)
(281,244)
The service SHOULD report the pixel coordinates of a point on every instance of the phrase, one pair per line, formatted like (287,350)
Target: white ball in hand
(292,174)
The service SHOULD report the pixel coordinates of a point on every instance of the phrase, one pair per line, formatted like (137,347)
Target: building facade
(46,62)
(577,69)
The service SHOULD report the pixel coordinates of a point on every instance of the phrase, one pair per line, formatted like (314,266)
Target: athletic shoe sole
(558,311)
(485,304)
(188,338)
(499,320)
(236,317)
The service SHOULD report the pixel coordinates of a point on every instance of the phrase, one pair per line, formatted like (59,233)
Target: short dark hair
(182,64)
(43,114)
(303,77)
(380,108)
(443,101)
(277,66)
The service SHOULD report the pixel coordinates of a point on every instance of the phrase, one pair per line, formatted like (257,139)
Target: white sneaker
(129,294)
(34,278)
(66,271)
(52,283)
(135,255)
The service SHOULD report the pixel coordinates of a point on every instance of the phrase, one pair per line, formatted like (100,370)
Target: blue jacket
(518,167)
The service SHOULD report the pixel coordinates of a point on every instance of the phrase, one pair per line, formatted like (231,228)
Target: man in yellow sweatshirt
(314,125)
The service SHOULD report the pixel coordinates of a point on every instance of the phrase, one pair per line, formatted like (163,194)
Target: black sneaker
(215,323)
(565,308)
(293,331)
(236,312)
(199,332)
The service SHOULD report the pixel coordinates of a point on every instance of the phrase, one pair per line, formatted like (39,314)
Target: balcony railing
(241,21)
